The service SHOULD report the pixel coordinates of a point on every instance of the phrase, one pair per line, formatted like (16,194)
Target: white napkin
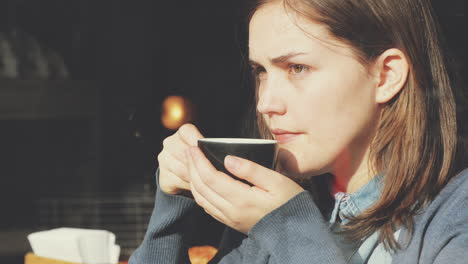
(90,246)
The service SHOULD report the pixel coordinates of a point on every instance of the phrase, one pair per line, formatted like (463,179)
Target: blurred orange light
(175,112)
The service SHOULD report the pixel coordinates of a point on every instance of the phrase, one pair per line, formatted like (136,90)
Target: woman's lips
(284,136)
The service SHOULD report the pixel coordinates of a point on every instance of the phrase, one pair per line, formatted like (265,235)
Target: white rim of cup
(239,140)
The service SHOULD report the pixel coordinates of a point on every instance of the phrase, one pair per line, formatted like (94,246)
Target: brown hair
(418,147)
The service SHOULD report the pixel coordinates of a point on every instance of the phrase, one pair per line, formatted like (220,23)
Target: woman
(358,95)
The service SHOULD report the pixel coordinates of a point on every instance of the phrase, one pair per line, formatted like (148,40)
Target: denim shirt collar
(355,203)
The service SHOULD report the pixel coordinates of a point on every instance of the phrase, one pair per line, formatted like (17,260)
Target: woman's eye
(297,68)
(259,72)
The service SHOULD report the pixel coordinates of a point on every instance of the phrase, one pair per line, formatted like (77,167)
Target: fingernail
(231,162)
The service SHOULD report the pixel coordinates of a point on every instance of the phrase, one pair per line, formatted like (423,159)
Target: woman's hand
(173,165)
(232,202)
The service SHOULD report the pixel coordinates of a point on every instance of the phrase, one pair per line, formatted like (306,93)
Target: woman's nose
(270,102)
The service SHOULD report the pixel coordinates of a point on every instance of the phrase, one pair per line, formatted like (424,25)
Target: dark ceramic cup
(260,151)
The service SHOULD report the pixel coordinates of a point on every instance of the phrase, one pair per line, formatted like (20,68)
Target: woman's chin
(295,169)
(297,175)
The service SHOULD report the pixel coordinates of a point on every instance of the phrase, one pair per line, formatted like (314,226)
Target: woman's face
(316,98)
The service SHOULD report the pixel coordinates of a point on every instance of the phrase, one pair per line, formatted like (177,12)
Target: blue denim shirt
(367,251)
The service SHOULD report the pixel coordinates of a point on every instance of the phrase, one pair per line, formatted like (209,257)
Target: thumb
(252,172)
(189,134)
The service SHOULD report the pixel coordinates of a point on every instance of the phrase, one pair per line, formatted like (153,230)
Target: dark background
(98,133)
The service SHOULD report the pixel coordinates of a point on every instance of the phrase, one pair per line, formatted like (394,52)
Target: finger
(191,169)
(173,165)
(176,147)
(205,189)
(209,209)
(220,206)
(173,180)
(252,172)
(189,134)
(220,183)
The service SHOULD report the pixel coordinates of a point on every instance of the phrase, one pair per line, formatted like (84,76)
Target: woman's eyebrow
(279,59)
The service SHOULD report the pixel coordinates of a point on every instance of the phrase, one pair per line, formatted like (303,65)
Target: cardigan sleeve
(173,228)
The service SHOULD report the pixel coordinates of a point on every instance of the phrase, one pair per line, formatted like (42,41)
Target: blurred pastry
(201,254)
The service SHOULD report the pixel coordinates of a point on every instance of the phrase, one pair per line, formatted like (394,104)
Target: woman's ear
(391,70)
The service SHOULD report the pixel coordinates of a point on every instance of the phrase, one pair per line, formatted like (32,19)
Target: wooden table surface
(30,258)
(197,255)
